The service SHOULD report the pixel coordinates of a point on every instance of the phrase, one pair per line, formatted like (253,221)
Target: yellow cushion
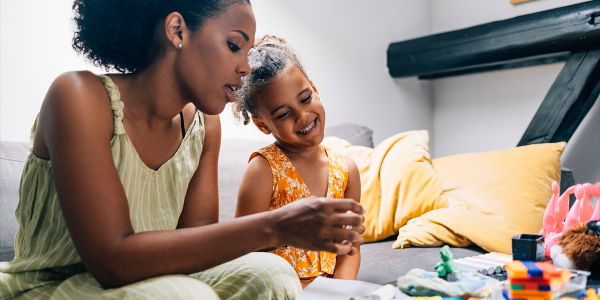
(491,197)
(398,182)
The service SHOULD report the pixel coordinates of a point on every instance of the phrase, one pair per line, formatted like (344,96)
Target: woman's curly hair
(119,34)
(268,58)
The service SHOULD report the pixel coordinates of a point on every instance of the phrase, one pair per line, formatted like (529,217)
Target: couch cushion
(398,182)
(12,160)
(380,263)
(505,191)
(232,163)
(355,134)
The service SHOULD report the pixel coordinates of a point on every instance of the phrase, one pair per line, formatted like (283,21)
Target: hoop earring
(179,45)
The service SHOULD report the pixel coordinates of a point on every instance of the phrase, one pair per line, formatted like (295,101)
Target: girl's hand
(315,223)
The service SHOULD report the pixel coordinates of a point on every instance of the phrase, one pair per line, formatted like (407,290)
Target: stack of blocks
(534,280)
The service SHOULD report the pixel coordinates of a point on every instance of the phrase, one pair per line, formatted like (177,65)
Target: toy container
(528,247)
(577,282)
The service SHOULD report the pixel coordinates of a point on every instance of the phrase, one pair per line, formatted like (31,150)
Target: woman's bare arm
(346,266)
(202,199)
(75,126)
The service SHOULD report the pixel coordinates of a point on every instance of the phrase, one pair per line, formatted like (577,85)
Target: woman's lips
(229,92)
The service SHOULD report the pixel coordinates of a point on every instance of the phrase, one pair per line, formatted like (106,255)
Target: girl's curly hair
(268,58)
(119,34)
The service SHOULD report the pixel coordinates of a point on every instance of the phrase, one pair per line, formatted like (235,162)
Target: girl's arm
(256,188)
(75,127)
(346,266)
(201,206)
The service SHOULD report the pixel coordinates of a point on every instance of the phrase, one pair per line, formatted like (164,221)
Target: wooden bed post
(567,102)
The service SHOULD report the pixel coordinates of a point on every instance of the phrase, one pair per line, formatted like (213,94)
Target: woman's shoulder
(76,89)
(80,99)
(77,81)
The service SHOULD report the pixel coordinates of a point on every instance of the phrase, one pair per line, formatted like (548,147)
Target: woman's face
(290,107)
(211,66)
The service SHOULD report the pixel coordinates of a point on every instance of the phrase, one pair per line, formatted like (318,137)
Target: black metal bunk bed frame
(570,34)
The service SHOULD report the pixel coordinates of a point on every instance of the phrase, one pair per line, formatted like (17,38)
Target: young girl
(281,100)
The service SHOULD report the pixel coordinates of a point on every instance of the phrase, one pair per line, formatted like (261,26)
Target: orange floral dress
(288,187)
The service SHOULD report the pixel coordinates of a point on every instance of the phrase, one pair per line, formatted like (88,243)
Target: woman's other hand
(315,223)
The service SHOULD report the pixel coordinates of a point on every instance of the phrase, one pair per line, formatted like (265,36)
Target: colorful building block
(534,280)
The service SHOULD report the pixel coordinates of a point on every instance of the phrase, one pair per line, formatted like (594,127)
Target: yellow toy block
(516,270)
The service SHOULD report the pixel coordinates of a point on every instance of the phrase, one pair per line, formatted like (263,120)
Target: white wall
(35,47)
(490,111)
(342,44)
(343,47)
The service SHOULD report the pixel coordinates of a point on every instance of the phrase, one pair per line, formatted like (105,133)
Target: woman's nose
(244,68)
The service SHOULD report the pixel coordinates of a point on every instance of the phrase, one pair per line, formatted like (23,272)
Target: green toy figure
(446,267)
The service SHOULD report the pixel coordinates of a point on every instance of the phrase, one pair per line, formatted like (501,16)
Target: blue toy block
(533,270)
(544,288)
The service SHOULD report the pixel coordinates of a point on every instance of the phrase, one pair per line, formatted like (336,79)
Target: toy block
(532,269)
(530,286)
(530,280)
(516,287)
(516,269)
(549,270)
(529,294)
(546,288)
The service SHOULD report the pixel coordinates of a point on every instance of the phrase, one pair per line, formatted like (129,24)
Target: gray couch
(380,263)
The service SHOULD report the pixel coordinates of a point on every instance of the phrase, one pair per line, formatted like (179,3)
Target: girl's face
(289,107)
(214,59)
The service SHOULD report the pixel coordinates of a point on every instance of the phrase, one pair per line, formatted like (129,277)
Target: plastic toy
(528,247)
(590,295)
(446,267)
(534,280)
(558,218)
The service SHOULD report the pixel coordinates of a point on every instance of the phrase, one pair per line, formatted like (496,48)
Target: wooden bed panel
(537,38)
(569,99)
(570,33)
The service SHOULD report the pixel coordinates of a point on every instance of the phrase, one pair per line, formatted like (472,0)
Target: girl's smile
(312,127)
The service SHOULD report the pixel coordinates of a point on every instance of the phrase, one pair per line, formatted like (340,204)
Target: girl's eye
(283,115)
(306,100)
(233,47)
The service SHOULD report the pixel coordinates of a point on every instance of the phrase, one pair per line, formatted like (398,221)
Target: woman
(120,190)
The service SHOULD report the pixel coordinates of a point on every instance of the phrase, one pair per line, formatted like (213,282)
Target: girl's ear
(261,125)
(313,86)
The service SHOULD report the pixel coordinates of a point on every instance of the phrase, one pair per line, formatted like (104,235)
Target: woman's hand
(315,223)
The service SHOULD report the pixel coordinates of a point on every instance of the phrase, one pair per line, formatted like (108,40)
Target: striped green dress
(47,265)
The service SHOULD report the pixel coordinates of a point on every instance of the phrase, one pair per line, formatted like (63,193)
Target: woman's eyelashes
(233,47)
(306,100)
